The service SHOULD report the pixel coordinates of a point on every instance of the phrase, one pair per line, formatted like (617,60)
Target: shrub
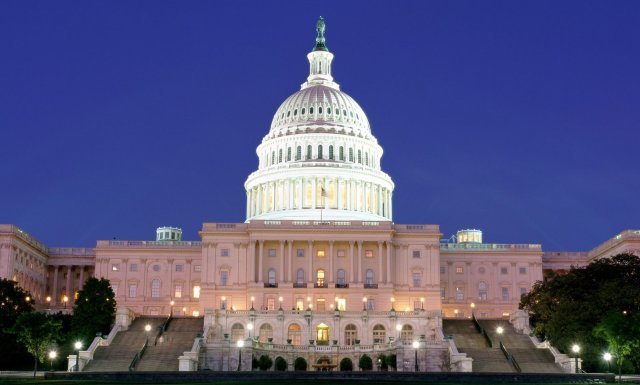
(265,362)
(281,364)
(382,360)
(365,363)
(346,365)
(254,363)
(300,364)
(391,361)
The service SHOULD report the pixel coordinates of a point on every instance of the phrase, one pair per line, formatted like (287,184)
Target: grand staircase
(118,355)
(178,338)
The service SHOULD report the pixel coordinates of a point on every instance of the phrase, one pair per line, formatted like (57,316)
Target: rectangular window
(299,303)
(459,294)
(271,303)
(368,253)
(320,253)
(320,304)
(115,289)
(178,291)
(523,291)
(341,253)
(416,253)
(133,267)
(417,279)
(115,267)
(196,291)
(300,253)
(197,268)
(179,268)
(503,270)
(224,277)
(523,270)
(272,252)
(371,304)
(417,305)
(442,270)
(443,293)
(459,270)
(342,304)
(224,252)
(133,291)
(505,293)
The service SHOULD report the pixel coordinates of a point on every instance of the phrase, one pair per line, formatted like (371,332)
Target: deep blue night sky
(518,118)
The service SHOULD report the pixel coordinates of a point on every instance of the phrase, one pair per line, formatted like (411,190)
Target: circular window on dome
(302,112)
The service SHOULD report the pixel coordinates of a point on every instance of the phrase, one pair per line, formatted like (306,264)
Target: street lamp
(422,303)
(398,329)
(171,308)
(65,299)
(607,357)
(52,356)
(250,328)
(78,346)
(48,299)
(500,330)
(280,299)
(392,301)
(240,345)
(473,307)
(147,329)
(416,345)
(364,303)
(576,350)
(252,299)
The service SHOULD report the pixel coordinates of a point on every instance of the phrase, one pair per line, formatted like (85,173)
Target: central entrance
(322,334)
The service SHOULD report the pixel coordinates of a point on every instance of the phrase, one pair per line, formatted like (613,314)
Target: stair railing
(161,329)
(138,357)
(510,357)
(481,330)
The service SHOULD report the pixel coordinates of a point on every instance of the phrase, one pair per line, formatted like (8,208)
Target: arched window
(266,332)
(379,334)
(331,152)
(272,277)
(273,158)
(299,153)
(311,110)
(350,334)
(351,155)
(320,109)
(309,152)
(368,277)
(366,158)
(341,277)
(341,153)
(360,156)
(406,334)
(300,276)
(294,333)
(482,291)
(237,332)
(320,152)
(155,288)
(280,156)
(303,111)
(320,278)
(328,110)
(289,154)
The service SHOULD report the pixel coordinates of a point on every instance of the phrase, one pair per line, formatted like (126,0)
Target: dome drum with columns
(319,160)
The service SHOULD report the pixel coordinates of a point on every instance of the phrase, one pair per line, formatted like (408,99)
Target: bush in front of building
(365,363)
(346,365)
(391,361)
(281,364)
(265,362)
(300,364)
(382,362)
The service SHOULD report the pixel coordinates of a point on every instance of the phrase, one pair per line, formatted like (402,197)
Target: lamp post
(416,345)
(252,299)
(280,299)
(422,303)
(65,299)
(147,329)
(398,329)
(223,303)
(364,303)
(171,308)
(240,345)
(499,330)
(392,301)
(576,351)
(607,357)
(52,356)
(473,307)
(250,328)
(78,346)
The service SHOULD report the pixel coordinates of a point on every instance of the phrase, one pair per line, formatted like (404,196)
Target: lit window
(224,252)
(523,270)
(342,304)
(196,291)
(341,253)
(133,267)
(178,291)
(320,253)
(368,253)
(320,277)
(503,270)
(459,269)
(197,268)
(179,268)
(416,253)
(300,253)
(505,293)
(299,303)
(115,267)
(320,304)
(271,303)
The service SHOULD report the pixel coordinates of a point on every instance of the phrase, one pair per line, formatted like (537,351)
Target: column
(325,200)
(331,261)
(82,276)
(347,185)
(389,275)
(291,187)
(204,277)
(380,262)
(314,190)
(301,185)
(337,192)
(260,255)
(69,288)
(54,291)
(248,204)
(360,278)
(290,244)
(213,266)
(310,279)
(252,261)
(259,202)
(352,263)
(379,191)
(280,276)
(390,205)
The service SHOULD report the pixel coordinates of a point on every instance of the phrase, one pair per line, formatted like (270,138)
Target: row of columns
(56,294)
(342,194)
(355,261)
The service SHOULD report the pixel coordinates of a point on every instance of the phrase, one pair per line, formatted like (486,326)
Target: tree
(14,302)
(621,330)
(382,361)
(565,308)
(265,362)
(300,364)
(94,310)
(391,361)
(36,331)
(365,362)
(281,364)
(346,365)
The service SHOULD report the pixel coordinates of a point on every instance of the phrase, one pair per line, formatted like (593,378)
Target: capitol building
(318,269)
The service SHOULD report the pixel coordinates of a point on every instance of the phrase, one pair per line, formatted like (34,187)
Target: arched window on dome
(309,152)
(302,112)
(299,153)
(289,154)
(280,156)
(288,113)
(344,112)
(341,153)
(330,152)
(295,112)
(320,152)
(360,156)
(351,155)
(366,158)
(337,111)
(320,110)
(311,110)
(273,158)
(328,110)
